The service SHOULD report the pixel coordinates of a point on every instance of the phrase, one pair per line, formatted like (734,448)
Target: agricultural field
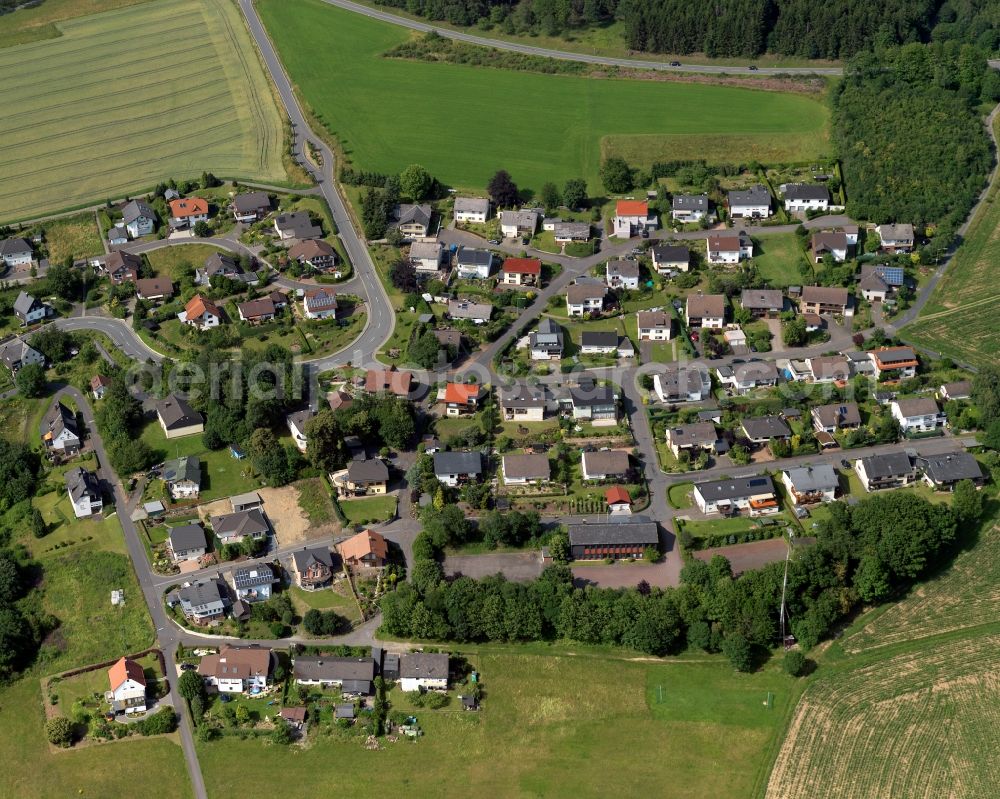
(920,724)
(564,117)
(676,724)
(199,102)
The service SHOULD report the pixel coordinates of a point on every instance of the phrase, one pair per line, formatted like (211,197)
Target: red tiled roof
(461,393)
(190,206)
(523,266)
(632,208)
(617,494)
(125,669)
(197,307)
(364,543)
(388,380)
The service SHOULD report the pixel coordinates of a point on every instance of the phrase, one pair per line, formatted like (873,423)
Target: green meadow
(463,123)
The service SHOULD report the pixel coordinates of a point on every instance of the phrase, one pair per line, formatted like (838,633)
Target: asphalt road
(423,27)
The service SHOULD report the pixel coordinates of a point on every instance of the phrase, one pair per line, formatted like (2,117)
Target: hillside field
(126,98)
(463,123)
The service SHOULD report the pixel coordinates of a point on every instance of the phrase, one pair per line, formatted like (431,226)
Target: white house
(693,438)
(753,495)
(896,238)
(728,247)
(687,383)
(84,492)
(423,670)
(584,298)
(297,426)
(183,477)
(17,353)
(237,669)
(706,310)
(29,310)
(521,272)
(805,197)
(832,243)
(201,313)
(128,687)
(426,255)
(471,209)
(741,378)
(186,212)
(622,274)
(525,469)
(252,583)
(59,430)
(686,208)
(15,252)
(139,218)
(920,415)
(518,223)
(319,304)
(892,470)
(670,258)
(546,343)
(632,217)
(522,403)
(612,464)
(454,468)
(654,325)
(186,542)
(752,203)
(809,484)
(472,263)
(353,676)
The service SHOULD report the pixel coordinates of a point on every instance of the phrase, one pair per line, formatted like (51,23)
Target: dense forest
(907,124)
(735,28)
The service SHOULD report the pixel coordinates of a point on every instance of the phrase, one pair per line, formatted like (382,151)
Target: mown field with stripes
(126,98)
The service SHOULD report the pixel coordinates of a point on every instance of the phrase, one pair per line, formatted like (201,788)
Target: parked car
(675,63)
(188,666)
(752,67)
(845,463)
(494,241)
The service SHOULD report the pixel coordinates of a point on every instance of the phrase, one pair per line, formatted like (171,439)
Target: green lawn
(333,56)
(679,495)
(369,510)
(78,138)
(551,724)
(734,526)
(172,262)
(326,599)
(777,258)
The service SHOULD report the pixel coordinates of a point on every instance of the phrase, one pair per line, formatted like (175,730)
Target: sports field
(126,98)
(463,123)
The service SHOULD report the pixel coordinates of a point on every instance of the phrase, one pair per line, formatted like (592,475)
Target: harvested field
(126,98)
(919,725)
(966,595)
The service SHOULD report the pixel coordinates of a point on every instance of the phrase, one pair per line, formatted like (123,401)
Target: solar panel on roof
(758,481)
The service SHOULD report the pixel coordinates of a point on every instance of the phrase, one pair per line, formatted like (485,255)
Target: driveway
(518,567)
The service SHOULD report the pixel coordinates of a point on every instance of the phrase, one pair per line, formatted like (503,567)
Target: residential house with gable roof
(128,687)
(237,669)
(139,217)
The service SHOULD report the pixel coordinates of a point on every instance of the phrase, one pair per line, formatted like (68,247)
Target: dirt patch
(622,575)
(744,557)
(515,566)
(281,505)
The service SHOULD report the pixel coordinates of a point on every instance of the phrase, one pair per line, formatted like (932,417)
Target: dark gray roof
(892,355)
(669,253)
(522,396)
(136,208)
(252,576)
(612,533)
(690,202)
(599,338)
(892,463)
(421,214)
(246,522)
(734,489)
(766,299)
(14,246)
(323,667)
(372,470)
(951,467)
(758,427)
(82,483)
(590,394)
(187,536)
(222,263)
(427,665)
(59,418)
(806,191)
(345,711)
(181,469)
(813,478)
(251,201)
(698,433)
(176,413)
(25,304)
(623,268)
(458,463)
(304,558)
(839,414)
(470,256)
(298,224)
(204,592)
(755,195)
(527,466)
(15,351)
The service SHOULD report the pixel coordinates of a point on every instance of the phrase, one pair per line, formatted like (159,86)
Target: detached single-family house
(741,378)
(84,491)
(654,325)
(313,568)
(521,272)
(204,601)
(805,197)
(567,232)
(29,310)
(895,238)
(154,289)
(297,427)
(546,343)
(944,472)
(622,274)
(761,429)
(706,310)
(692,438)
(585,298)
(177,418)
(824,300)
(232,528)
(367,548)
(15,252)
(860,362)
(753,495)
(314,253)
(612,464)
(220,264)
(17,353)
(920,415)
(518,223)
(99,384)
(615,539)
(895,363)
(632,217)
(319,304)
(829,242)
(391,381)
(763,303)
(139,218)
(237,669)
(423,671)
(836,416)
(873,286)
(959,390)
(413,221)
(454,468)
(892,470)
(365,477)
(472,209)
(810,484)
(671,258)
(187,212)
(122,267)
(472,263)
(752,203)
(619,501)
(256,311)
(478,313)
(682,383)
(353,676)
(594,403)
(523,403)
(60,433)
(598,342)
(426,255)
(526,469)
(728,247)
(296,225)
(187,542)
(117,235)
(461,398)
(183,477)
(128,687)
(829,369)
(251,206)
(686,208)
(201,313)
(252,583)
